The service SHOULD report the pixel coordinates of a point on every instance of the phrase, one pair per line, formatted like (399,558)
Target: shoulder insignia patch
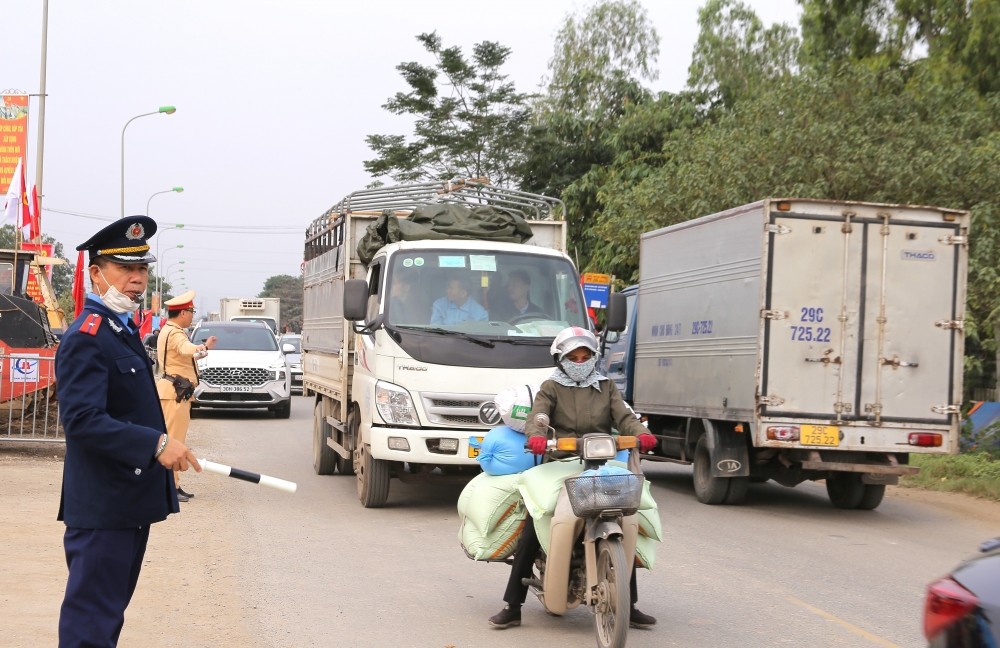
(91,324)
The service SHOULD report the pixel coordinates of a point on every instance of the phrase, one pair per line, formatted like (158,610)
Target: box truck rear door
(814,269)
(910,309)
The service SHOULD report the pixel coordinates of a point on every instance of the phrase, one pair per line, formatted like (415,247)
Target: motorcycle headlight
(395,405)
(602,447)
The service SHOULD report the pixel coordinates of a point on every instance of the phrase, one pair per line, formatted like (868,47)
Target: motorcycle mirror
(542,420)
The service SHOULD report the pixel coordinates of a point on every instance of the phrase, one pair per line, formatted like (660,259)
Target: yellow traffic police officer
(117,474)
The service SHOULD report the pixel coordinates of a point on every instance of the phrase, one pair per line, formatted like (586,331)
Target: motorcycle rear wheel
(611,613)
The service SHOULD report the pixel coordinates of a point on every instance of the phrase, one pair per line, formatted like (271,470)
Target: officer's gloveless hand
(177,456)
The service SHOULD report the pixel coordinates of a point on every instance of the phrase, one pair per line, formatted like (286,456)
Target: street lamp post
(166,110)
(174,190)
(160,264)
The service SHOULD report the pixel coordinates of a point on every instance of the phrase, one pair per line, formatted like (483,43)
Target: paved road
(784,569)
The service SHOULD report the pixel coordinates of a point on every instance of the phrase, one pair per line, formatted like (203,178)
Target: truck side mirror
(616,316)
(355,300)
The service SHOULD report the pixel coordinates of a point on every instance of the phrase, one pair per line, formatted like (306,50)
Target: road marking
(853,628)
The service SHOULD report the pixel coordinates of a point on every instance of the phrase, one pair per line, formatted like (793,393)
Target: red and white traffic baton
(246,475)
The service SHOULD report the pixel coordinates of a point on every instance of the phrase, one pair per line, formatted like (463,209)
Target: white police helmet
(571,338)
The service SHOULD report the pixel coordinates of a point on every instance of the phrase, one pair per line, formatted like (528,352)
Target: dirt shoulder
(189,590)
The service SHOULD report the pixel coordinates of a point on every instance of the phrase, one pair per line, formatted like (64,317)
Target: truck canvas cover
(443,221)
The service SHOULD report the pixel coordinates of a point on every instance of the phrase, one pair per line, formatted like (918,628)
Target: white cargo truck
(401,393)
(251,309)
(802,340)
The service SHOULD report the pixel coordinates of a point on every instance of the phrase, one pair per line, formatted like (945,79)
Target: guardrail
(29,409)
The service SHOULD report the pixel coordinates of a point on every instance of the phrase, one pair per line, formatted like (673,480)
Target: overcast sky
(274,100)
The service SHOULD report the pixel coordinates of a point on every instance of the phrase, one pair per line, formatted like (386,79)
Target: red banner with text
(13,136)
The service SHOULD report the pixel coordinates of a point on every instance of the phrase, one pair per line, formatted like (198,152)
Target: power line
(240,229)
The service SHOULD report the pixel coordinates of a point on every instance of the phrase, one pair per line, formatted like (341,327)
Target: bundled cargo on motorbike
(491,515)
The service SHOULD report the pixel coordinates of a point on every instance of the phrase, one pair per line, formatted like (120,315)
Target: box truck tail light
(783,433)
(947,602)
(925,439)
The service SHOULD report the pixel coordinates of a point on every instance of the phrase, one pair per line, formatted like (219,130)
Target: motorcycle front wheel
(611,612)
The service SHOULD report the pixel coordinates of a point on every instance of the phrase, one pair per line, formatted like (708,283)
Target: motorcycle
(592,538)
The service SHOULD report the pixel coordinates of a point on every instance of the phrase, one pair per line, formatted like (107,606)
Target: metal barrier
(29,409)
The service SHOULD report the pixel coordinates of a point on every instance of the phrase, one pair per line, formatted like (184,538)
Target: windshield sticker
(483,262)
(451,261)
(419,261)
(407,263)
(484,282)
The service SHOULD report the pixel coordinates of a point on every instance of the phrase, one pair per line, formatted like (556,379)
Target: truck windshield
(495,296)
(238,338)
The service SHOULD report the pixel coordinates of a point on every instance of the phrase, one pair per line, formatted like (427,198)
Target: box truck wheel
(373,478)
(708,489)
(737,490)
(346,466)
(845,489)
(323,455)
(872,497)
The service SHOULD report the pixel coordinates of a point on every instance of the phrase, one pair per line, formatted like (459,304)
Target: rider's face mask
(116,300)
(578,371)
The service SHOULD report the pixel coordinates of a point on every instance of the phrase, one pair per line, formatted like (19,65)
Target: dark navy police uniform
(113,488)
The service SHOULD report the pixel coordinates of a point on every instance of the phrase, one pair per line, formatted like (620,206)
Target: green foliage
(852,30)
(289,290)
(736,55)
(470,120)
(976,474)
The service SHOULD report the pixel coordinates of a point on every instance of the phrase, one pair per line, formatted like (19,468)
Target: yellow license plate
(474,452)
(820,435)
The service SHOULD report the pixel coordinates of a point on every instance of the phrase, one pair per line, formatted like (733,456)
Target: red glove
(646,442)
(537,444)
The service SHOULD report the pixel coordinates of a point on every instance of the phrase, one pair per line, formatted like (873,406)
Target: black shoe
(509,616)
(181,491)
(182,497)
(637,619)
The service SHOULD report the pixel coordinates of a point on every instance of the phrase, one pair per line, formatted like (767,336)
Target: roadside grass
(976,474)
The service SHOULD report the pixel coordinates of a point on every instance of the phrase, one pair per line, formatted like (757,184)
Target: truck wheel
(346,466)
(373,478)
(284,410)
(845,490)
(737,490)
(324,458)
(872,497)
(708,489)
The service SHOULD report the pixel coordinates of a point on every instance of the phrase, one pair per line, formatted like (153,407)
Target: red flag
(79,292)
(25,210)
(36,216)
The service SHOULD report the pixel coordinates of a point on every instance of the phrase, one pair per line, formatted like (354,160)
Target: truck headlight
(395,405)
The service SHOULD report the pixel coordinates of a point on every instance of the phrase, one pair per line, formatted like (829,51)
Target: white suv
(245,369)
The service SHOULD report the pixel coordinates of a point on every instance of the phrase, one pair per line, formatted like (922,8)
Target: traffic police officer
(117,477)
(177,359)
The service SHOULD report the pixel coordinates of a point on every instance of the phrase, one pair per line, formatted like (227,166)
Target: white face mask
(116,300)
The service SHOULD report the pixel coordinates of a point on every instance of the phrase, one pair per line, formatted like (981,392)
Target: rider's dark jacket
(576,411)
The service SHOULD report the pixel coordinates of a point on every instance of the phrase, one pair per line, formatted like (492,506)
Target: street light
(174,190)
(166,110)
(160,264)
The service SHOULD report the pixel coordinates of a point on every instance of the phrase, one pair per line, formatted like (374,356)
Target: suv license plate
(820,435)
(474,452)
(236,388)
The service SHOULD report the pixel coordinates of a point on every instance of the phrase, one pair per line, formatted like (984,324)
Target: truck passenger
(518,298)
(401,307)
(457,306)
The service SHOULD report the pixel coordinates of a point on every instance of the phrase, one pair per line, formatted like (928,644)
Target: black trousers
(524,562)
(104,568)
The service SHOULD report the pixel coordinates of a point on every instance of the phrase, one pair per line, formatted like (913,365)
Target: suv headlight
(277,372)
(395,405)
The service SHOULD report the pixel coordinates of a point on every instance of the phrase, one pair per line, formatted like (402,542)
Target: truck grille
(455,410)
(236,376)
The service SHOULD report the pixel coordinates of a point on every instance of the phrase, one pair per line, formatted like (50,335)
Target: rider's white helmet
(571,338)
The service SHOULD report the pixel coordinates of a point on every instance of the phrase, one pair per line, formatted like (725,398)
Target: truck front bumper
(266,395)
(424,445)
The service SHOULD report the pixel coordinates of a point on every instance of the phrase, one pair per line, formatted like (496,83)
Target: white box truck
(402,393)
(251,309)
(800,340)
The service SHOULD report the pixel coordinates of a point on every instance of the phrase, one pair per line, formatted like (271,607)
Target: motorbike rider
(578,401)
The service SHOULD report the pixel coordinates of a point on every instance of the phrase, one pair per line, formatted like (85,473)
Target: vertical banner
(33,290)
(13,136)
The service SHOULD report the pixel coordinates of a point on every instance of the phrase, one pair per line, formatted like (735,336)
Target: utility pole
(41,113)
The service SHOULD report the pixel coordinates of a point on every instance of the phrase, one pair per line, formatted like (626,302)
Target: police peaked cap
(124,241)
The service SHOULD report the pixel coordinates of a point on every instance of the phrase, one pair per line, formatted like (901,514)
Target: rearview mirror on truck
(616,315)
(355,300)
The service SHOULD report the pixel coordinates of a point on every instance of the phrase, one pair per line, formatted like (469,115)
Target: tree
(852,30)
(735,55)
(471,124)
(289,290)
